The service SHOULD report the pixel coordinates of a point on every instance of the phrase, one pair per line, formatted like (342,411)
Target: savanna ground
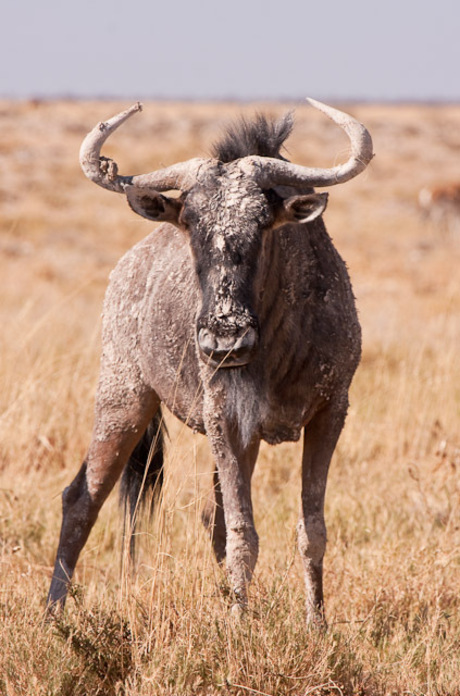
(393,559)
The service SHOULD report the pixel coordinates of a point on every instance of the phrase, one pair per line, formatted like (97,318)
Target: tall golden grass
(393,560)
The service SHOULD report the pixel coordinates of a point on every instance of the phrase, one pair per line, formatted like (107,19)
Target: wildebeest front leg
(235,464)
(115,435)
(320,439)
(213,513)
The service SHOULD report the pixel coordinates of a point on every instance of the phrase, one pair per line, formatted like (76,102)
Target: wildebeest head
(226,207)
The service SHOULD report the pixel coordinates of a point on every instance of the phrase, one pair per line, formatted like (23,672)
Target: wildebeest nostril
(230,351)
(207,341)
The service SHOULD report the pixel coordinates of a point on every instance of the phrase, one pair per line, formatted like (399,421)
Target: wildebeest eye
(236,257)
(188,217)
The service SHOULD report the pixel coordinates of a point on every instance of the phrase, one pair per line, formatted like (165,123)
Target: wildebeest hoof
(317,622)
(238,612)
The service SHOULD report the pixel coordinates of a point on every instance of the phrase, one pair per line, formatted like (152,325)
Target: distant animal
(237,314)
(440,206)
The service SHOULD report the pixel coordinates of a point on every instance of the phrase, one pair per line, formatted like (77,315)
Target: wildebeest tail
(142,478)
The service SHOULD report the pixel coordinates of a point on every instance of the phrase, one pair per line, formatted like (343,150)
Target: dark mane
(261,136)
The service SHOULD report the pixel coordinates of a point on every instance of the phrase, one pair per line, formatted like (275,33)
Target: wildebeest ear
(153,205)
(305,208)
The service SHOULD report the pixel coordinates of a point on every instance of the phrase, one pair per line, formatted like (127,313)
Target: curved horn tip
(350,125)
(138,106)
(313,102)
(120,118)
(330,111)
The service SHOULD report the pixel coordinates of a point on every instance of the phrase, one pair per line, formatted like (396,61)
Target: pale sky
(236,49)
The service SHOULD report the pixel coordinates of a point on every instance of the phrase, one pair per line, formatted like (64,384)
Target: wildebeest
(440,205)
(238,315)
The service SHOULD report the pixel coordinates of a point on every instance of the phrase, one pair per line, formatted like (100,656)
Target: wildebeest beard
(242,406)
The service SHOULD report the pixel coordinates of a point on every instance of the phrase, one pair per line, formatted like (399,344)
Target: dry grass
(393,560)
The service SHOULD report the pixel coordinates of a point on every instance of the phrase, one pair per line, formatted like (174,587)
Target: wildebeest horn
(270,172)
(104,171)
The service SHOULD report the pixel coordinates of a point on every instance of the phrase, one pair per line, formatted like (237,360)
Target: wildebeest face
(226,216)
(226,220)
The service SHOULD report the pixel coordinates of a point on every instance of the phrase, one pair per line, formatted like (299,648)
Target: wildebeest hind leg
(214,520)
(116,433)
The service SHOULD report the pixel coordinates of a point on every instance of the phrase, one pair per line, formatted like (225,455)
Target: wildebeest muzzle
(222,344)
